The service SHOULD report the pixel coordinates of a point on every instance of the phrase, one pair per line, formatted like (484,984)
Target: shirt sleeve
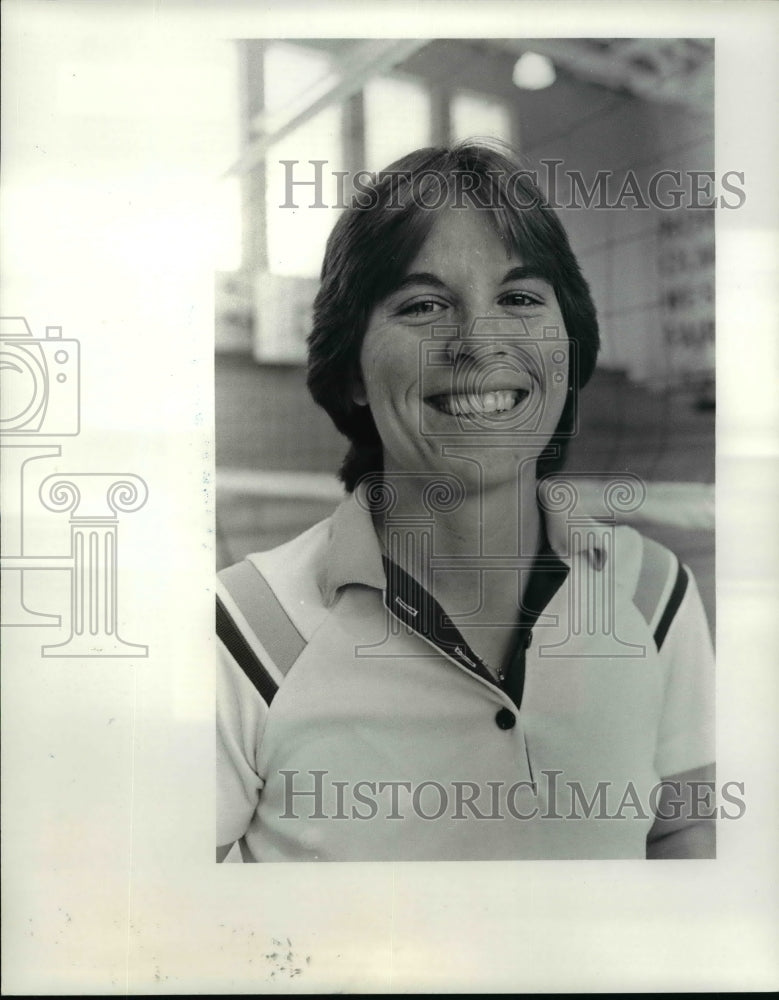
(686,731)
(240,722)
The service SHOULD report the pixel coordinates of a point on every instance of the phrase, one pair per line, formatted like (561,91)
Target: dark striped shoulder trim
(264,615)
(243,654)
(660,588)
(672,606)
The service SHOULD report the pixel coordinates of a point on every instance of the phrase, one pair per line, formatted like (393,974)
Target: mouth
(495,401)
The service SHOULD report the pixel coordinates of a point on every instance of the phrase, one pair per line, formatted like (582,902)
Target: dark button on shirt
(505,719)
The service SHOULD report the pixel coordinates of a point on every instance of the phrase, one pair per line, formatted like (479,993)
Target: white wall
(592,129)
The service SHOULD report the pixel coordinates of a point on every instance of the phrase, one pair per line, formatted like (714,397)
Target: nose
(464,351)
(485,337)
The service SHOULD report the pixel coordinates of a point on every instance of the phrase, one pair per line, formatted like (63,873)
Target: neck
(491,520)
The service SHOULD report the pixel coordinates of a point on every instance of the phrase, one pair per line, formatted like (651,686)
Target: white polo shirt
(345,734)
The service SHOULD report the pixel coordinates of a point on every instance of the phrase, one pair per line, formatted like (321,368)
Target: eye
(420,308)
(522,299)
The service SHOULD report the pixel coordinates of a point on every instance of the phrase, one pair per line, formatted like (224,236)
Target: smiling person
(410,679)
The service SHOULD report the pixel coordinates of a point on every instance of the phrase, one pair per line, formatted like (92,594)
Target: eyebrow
(524,272)
(520,273)
(418,278)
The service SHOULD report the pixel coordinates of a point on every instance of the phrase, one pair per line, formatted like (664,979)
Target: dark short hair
(374,242)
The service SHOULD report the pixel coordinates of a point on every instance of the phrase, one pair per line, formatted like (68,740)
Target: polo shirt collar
(354,555)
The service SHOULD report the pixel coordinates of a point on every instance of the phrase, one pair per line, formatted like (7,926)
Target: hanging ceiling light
(533,71)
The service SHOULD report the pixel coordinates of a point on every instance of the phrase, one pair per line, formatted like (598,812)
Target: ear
(359,395)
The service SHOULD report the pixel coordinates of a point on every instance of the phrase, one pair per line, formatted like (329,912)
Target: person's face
(468,356)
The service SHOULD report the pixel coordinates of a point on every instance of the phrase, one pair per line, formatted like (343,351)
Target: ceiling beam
(363,61)
(662,75)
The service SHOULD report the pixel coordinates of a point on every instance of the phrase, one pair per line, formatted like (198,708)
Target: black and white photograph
(389,460)
(476,656)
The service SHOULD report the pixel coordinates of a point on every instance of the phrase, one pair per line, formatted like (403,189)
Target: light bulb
(533,71)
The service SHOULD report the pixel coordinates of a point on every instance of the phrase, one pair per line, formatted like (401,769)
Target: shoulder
(284,580)
(657,580)
(267,607)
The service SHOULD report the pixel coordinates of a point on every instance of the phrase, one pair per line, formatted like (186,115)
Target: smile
(476,404)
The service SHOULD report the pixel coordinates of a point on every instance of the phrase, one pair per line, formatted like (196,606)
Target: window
(296,237)
(475,115)
(397,120)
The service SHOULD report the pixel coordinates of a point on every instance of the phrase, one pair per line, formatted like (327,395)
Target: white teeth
(489,402)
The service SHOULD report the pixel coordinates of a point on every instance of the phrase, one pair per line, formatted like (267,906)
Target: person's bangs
(521,232)
(420,201)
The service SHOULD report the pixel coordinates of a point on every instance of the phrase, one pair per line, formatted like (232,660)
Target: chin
(477,473)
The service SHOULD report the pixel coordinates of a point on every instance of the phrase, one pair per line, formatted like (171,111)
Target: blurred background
(628,107)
